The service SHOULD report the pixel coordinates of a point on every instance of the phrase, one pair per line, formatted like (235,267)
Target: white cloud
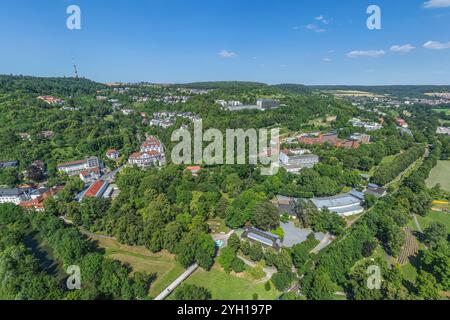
(432,4)
(227,54)
(369,54)
(315,28)
(402,48)
(322,19)
(435,45)
(326,59)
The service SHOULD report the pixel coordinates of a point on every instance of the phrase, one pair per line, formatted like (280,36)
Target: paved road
(110,177)
(323,244)
(177,282)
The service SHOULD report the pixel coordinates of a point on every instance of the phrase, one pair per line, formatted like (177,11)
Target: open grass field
(225,286)
(163,264)
(386,160)
(440,174)
(442,217)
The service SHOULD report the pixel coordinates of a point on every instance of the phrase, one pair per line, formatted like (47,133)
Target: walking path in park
(268,271)
(416,221)
(177,282)
(323,244)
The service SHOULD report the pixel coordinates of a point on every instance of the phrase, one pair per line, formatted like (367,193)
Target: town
(225,158)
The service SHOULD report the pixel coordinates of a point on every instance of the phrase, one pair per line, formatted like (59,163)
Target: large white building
(14,196)
(345,204)
(267,104)
(76,167)
(295,160)
(151,154)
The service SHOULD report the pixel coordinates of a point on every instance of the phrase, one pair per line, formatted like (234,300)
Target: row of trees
(389,171)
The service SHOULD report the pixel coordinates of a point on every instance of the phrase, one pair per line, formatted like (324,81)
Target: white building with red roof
(90,175)
(151,154)
(112,154)
(194,170)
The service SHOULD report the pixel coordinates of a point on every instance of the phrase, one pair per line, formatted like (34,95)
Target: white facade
(14,196)
(76,167)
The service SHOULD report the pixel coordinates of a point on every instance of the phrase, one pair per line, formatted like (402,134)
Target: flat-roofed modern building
(267,104)
(345,204)
(297,159)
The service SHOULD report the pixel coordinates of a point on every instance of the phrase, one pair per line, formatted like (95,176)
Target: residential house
(401,123)
(90,175)
(51,100)
(112,154)
(194,170)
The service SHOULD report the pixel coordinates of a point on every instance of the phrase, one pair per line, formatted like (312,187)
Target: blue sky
(272,41)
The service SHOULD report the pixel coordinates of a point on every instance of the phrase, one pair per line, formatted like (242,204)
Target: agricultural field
(225,286)
(440,174)
(141,259)
(352,93)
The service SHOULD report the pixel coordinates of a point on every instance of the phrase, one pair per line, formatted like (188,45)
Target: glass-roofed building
(265,238)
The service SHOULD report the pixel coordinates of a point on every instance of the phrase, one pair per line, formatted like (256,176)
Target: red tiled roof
(138,155)
(38,203)
(111,151)
(72,163)
(86,172)
(151,141)
(94,189)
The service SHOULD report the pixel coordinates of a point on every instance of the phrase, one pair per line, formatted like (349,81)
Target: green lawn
(442,217)
(444,111)
(440,174)
(409,272)
(225,286)
(386,160)
(140,259)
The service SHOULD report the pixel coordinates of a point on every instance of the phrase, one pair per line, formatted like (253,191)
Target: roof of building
(95,188)
(263,237)
(343,200)
(111,151)
(89,171)
(71,164)
(15,192)
(7,164)
(147,154)
(151,142)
